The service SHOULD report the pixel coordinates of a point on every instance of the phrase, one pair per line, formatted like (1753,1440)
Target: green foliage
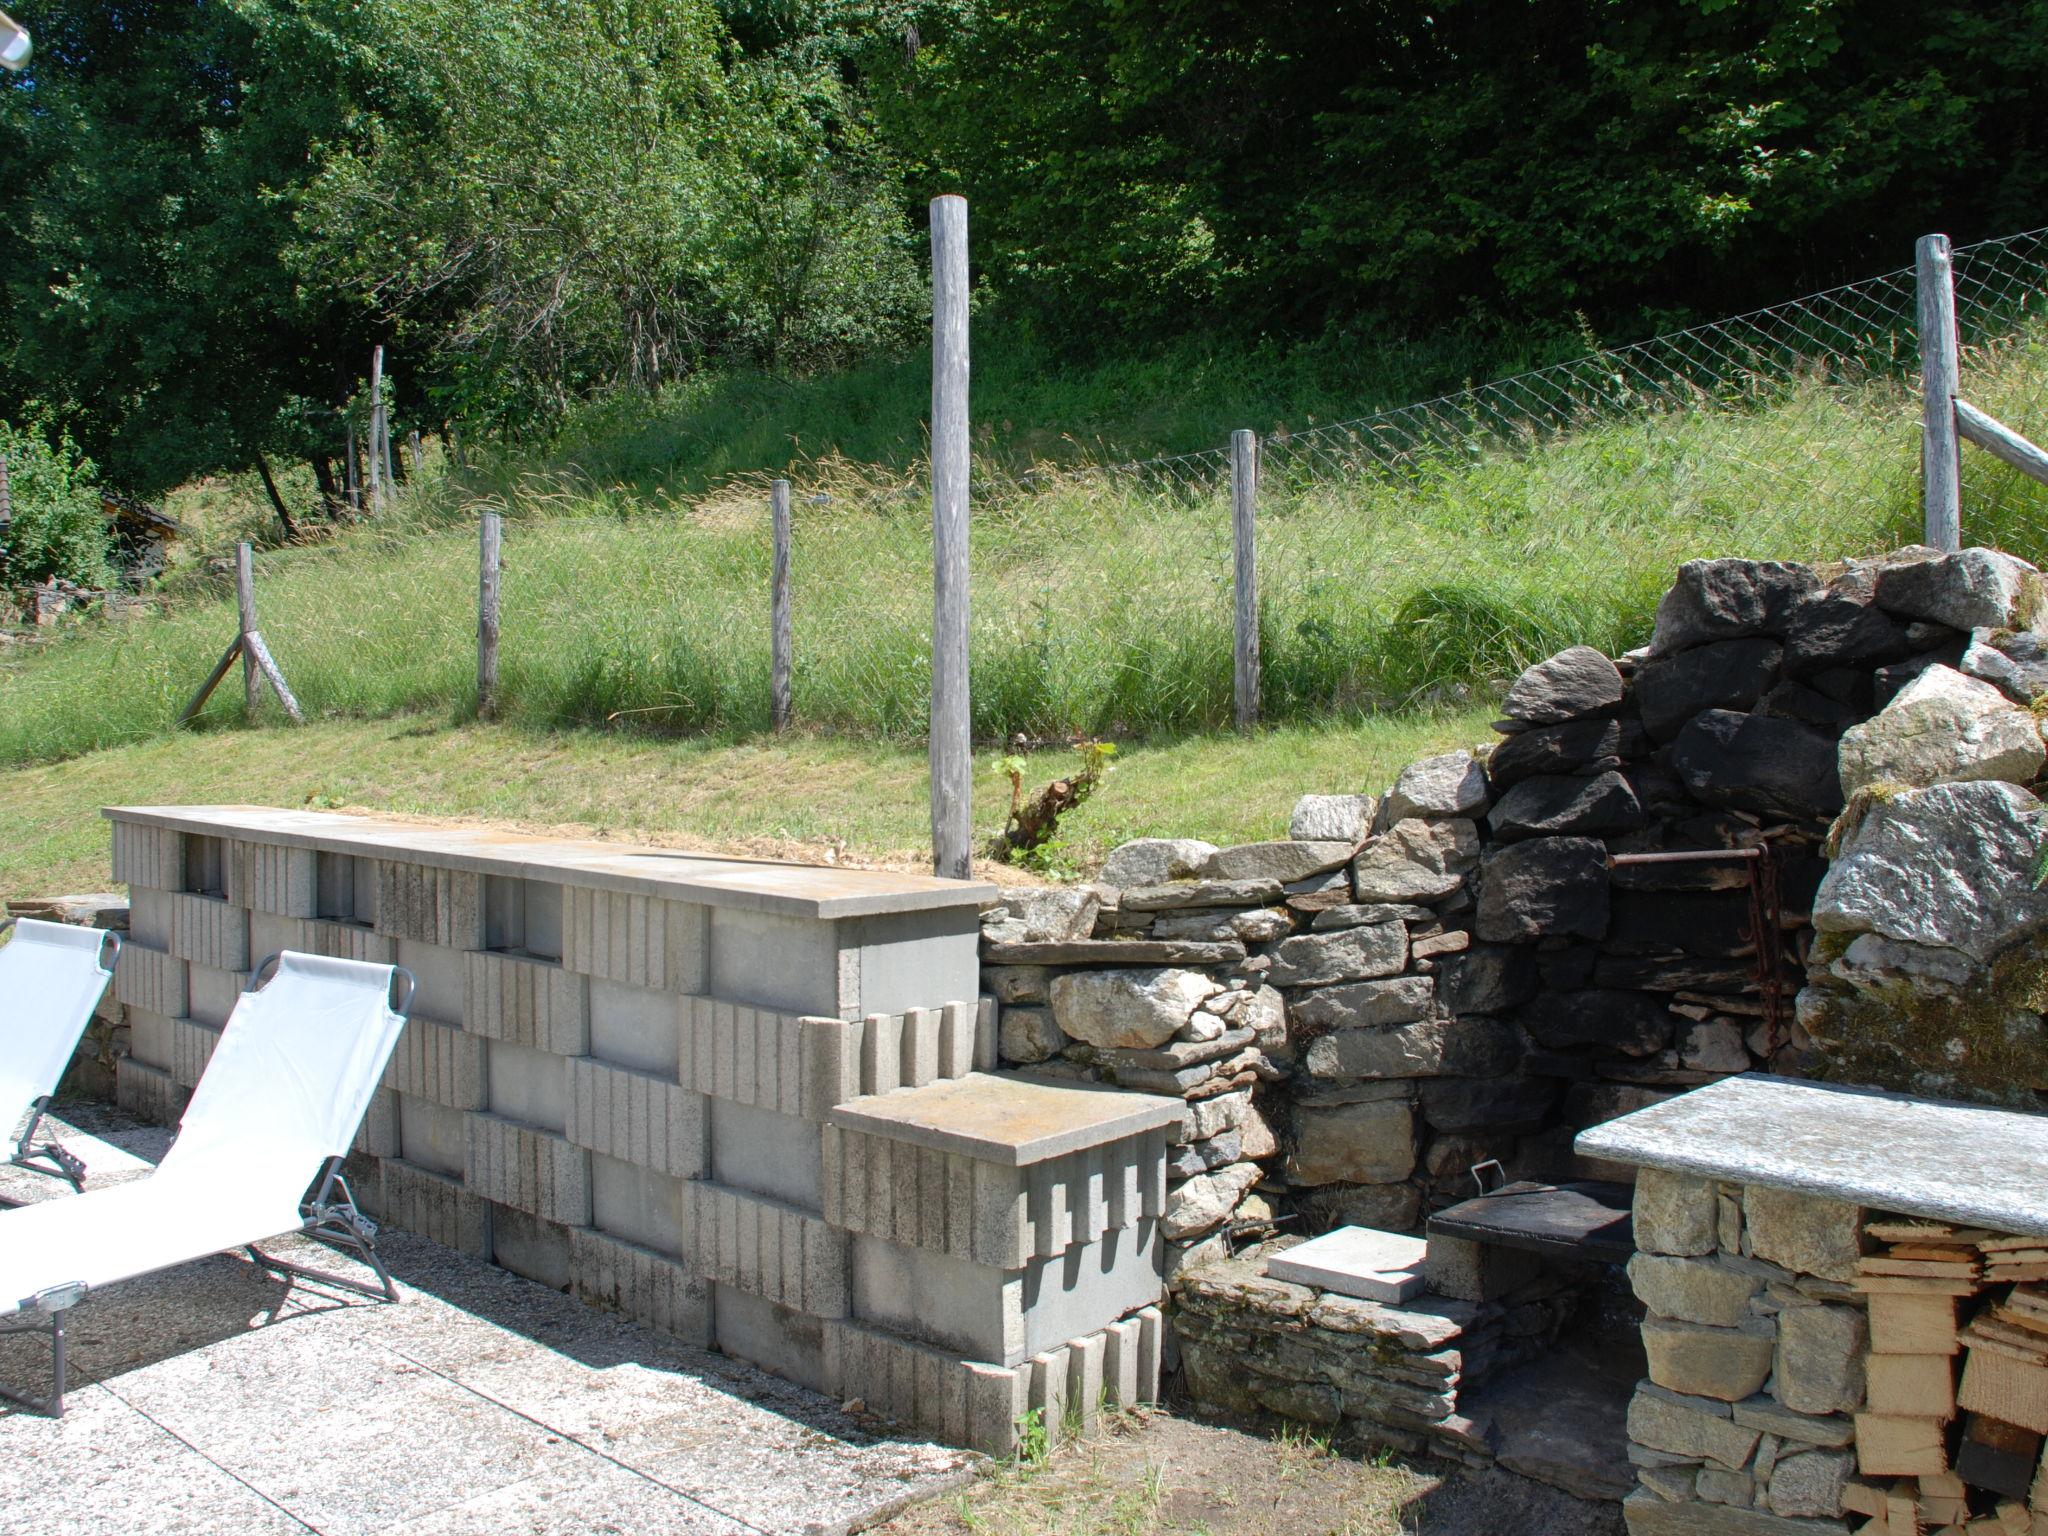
(58,529)
(1034,1442)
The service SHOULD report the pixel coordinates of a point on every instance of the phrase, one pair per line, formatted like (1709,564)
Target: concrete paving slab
(572,1500)
(1011,1120)
(107,1160)
(1356,1261)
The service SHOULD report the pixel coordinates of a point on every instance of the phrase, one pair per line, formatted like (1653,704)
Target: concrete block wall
(617,1077)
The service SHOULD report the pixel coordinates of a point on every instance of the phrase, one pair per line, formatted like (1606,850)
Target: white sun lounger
(52,976)
(258,1155)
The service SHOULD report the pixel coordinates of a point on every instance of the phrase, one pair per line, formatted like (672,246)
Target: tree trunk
(284,515)
(330,491)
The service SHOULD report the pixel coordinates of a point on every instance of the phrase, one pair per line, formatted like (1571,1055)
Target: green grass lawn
(802,796)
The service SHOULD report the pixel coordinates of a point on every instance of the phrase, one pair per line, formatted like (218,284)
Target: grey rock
(1353,1144)
(1264,1013)
(1278,861)
(1821,1350)
(1386,1207)
(1128,1008)
(1191,1158)
(1674,1213)
(1350,954)
(1155,860)
(2024,675)
(1365,1004)
(1767,1414)
(1951,866)
(1552,749)
(1360,916)
(1758,763)
(1791,700)
(1873,961)
(1702,1360)
(1205,1202)
(1028,1035)
(1331,818)
(1415,861)
(1943,727)
(1486,978)
(1726,674)
(1260,925)
(1633,1023)
(1051,914)
(1543,888)
(1206,1118)
(1571,685)
(1713,1045)
(1683,1426)
(1810,1485)
(1428,1048)
(1843,627)
(1807,1234)
(1179,894)
(1967,590)
(1729,599)
(1601,806)
(1452,784)
(1692,1290)
(1016,983)
(1509,1106)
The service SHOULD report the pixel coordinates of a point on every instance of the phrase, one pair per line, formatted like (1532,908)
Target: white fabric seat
(257,1153)
(52,976)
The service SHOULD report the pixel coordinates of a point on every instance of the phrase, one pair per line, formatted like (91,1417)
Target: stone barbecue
(748,1103)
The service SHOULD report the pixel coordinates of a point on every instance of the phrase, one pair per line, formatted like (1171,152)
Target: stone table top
(1007,1119)
(1888,1151)
(762,885)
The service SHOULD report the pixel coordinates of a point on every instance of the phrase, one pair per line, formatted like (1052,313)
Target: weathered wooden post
(952,745)
(1244,514)
(245,611)
(354,481)
(6,497)
(1940,469)
(779,625)
(416,454)
(375,455)
(489,564)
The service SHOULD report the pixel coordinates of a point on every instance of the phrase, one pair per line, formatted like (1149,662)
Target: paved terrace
(216,1398)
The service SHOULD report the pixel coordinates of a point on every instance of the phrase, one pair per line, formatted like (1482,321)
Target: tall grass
(1101,604)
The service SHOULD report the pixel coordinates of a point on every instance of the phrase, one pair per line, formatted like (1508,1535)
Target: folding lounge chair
(257,1155)
(52,976)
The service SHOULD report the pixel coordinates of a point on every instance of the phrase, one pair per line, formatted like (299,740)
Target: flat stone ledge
(761,885)
(1889,1151)
(1008,1120)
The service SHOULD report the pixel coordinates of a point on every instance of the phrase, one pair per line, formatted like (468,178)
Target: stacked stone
(1757,1340)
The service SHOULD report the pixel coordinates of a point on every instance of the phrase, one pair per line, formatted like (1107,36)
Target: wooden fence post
(779,624)
(245,612)
(1244,516)
(416,452)
(375,455)
(488,567)
(1941,471)
(354,482)
(952,744)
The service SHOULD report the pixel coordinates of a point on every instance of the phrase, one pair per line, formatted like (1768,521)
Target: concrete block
(528,1085)
(747,1055)
(1151,1343)
(911,960)
(432,906)
(648,1287)
(378,1135)
(151,1038)
(1469,1271)
(986,1055)
(828,1066)
(345,888)
(779,1339)
(767,960)
(995,1404)
(365,1177)
(270,934)
(441,980)
(523,916)
(439,1062)
(343,941)
(1120,1361)
(1051,1378)
(147,1092)
(639,1205)
(920,1045)
(209,932)
(881,1053)
(637,1117)
(206,866)
(151,857)
(433,1136)
(532,1246)
(149,915)
(269,877)
(766,1248)
(211,995)
(151,978)
(435,1206)
(1005,1316)
(637,1027)
(1085,1388)
(643,941)
(765,1153)
(925,1389)
(956,1039)
(191,1047)
(533,1170)
(526,1002)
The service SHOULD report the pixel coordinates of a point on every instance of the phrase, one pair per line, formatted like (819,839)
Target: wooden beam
(252,645)
(2001,442)
(952,746)
(1244,518)
(779,635)
(220,670)
(376,455)
(245,612)
(1941,473)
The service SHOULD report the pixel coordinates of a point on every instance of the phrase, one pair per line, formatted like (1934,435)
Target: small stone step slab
(1114,952)
(1356,1261)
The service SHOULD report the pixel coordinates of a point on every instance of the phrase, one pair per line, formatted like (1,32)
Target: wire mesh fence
(1413,554)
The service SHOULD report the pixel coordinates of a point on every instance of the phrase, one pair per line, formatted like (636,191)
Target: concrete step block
(956,1039)
(147,1092)
(211,995)
(995,1407)
(648,1287)
(533,1003)
(637,1117)
(1051,1379)
(153,979)
(150,1037)
(747,1055)
(919,1043)
(930,1390)
(1086,1387)
(986,1055)
(148,856)
(268,877)
(209,931)
(766,1248)
(347,941)
(1151,1346)
(429,905)
(435,1206)
(439,1062)
(529,1169)
(378,1134)
(532,1246)
(829,1057)
(881,1053)
(1121,1341)
(643,941)
(191,1046)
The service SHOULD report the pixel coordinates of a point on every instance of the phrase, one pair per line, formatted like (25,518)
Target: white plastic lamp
(14,43)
